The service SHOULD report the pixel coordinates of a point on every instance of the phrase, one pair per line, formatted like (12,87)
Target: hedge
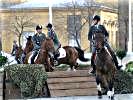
(3,60)
(123,82)
(30,78)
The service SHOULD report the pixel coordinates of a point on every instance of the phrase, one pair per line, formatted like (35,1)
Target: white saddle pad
(29,60)
(62,53)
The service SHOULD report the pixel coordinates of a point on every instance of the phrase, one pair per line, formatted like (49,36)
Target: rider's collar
(97,25)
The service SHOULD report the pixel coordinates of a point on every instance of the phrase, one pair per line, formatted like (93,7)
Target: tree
(19,23)
(123,20)
(75,22)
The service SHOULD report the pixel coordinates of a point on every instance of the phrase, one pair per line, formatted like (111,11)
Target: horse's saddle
(62,53)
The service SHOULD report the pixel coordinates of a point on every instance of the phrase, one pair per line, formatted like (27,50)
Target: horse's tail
(81,54)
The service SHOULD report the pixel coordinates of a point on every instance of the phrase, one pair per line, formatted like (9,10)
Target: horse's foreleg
(110,93)
(98,81)
(49,66)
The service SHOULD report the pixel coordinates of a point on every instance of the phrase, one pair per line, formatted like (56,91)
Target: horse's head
(99,41)
(29,38)
(48,45)
(29,45)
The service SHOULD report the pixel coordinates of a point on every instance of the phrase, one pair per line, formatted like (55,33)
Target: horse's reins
(42,50)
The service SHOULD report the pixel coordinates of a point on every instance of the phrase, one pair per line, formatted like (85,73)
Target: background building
(67,20)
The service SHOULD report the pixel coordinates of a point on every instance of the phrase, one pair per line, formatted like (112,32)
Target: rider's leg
(56,54)
(23,57)
(33,57)
(113,55)
(93,59)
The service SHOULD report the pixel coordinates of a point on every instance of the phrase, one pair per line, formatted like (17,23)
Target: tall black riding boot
(116,62)
(33,57)
(93,66)
(93,71)
(56,55)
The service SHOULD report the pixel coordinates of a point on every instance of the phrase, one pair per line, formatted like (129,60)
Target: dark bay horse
(45,53)
(29,45)
(72,54)
(18,54)
(105,68)
(28,48)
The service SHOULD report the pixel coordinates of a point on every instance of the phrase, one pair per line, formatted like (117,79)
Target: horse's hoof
(112,98)
(52,69)
(69,69)
(99,97)
(74,70)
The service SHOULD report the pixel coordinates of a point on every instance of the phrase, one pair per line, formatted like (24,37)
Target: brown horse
(29,45)
(45,53)
(105,68)
(72,54)
(20,52)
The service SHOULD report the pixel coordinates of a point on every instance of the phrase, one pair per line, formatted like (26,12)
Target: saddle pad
(29,60)
(62,53)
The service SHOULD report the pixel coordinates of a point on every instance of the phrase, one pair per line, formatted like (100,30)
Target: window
(74,24)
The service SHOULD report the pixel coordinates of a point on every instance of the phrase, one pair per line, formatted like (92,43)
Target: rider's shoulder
(101,25)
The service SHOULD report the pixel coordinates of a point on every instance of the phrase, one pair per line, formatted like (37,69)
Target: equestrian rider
(15,47)
(97,27)
(37,40)
(51,34)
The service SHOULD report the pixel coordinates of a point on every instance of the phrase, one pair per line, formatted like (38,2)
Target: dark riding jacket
(53,36)
(37,40)
(97,29)
(15,47)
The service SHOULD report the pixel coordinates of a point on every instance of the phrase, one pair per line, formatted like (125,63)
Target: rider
(15,47)
(97,27)
(53,36)
(37,40)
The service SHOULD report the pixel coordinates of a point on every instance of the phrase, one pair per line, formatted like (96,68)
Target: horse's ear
(48,38)
(29,38)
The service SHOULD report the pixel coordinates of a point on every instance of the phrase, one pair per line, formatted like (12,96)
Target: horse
(18,54)
(72,54)
(29,45)
(28,48)
(105,68)
(45,53)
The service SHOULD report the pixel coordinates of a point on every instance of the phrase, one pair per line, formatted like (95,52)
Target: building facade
(63,20)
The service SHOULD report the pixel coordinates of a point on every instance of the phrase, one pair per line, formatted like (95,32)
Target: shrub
(123,82)
(3,60)
(129,67)
(121,54)
(30,78)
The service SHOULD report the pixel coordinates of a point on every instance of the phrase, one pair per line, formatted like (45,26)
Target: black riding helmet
(38,27)
(96,17)
(49,25)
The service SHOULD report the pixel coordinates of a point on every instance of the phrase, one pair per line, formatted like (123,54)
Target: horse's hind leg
(98,81)
(71,68)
